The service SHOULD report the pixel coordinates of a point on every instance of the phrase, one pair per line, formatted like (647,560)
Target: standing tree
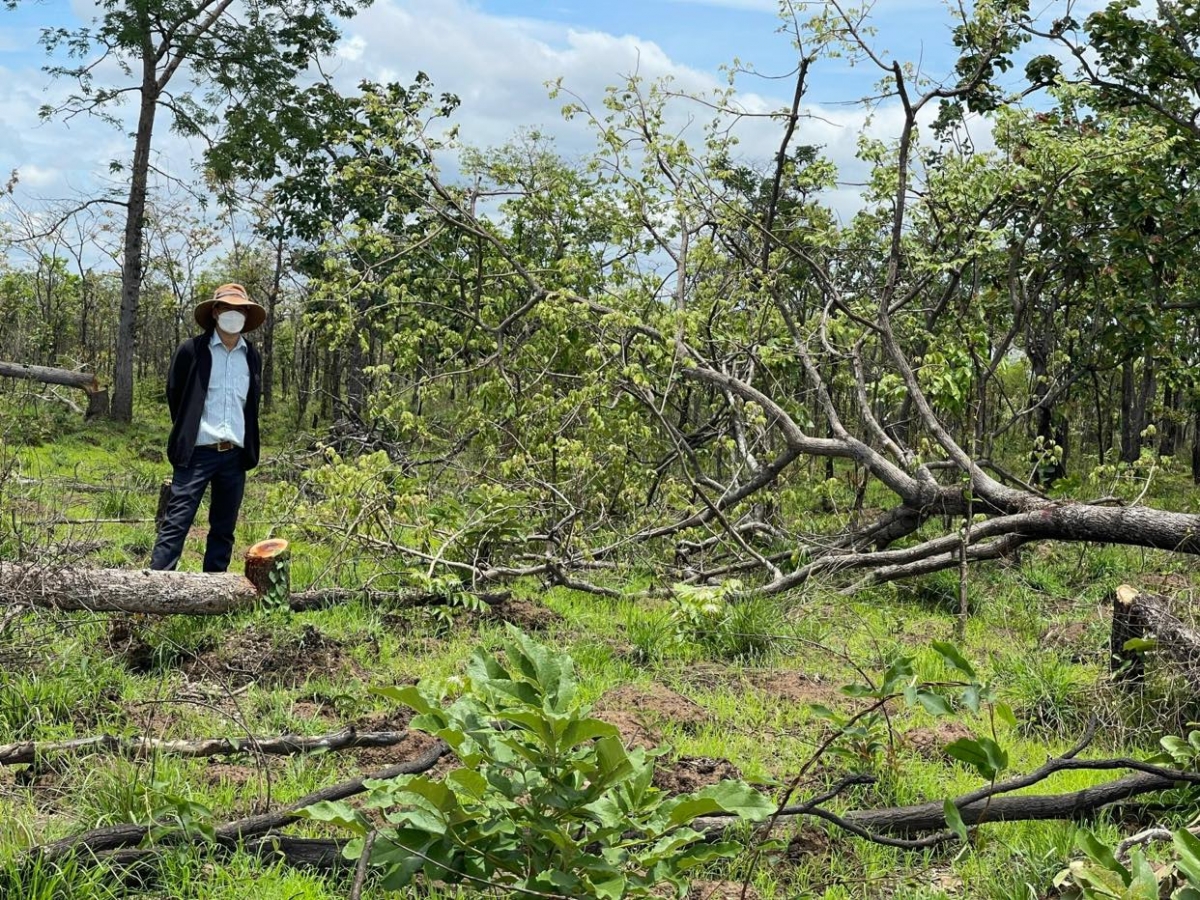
(194,59)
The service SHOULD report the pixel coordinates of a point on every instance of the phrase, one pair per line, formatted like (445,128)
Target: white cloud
(498,65)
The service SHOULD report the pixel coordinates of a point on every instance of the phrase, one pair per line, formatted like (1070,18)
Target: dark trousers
(228,479)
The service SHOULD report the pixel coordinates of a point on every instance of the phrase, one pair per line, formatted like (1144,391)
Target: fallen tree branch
(119,837)
(145,747)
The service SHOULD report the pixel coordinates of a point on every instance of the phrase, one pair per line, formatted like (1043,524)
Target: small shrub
(742,629)
(546,800)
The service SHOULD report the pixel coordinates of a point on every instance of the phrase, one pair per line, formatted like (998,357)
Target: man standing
(213,388)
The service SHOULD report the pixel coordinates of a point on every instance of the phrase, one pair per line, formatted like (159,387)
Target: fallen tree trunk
(155,593)
(258,833)
(118,837)
(86,381)
(145,747)
(148,591)
(926,817)
(1139,615)
(118,590)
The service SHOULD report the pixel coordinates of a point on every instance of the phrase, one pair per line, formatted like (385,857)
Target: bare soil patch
(1164,583)
(372,759)
(315,708)
(930,743)
(655,703)
(798,687)
(692,773)
(1071,639)
(217,773)
(255,655)
(719,890)
(526,614)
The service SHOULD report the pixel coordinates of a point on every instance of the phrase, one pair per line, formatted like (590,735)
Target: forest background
(711,372)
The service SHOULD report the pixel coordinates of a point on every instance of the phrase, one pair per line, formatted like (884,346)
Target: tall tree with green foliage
(192,59)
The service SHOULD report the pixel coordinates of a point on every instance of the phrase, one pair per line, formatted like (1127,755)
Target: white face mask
(231,321)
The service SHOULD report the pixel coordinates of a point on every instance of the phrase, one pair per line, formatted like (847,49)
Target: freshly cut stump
(268,568)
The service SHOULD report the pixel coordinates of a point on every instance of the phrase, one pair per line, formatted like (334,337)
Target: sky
(497,56)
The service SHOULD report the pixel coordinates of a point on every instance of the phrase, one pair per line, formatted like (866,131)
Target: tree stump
(1128,666)
(164,500)
(1137,614)
(97,407)
(268,568)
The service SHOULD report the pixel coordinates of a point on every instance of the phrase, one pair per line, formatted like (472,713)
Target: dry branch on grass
(912,827)
(144,747)
(231,834)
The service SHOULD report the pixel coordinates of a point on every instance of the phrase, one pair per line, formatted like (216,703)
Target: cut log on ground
(1138,615)
(149,592)
(145,591)
(139,747)
(86,381)
(117,843)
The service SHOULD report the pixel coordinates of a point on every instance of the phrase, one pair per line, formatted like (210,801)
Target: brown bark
(268,567)
(146,747)
(121,407)
(1138,615)
(230,834)
(145,591)
(926,817)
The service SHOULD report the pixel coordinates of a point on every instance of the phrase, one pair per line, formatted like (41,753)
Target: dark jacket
(187,385)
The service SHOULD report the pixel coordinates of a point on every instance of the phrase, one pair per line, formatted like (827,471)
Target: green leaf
(1141,645)
(1101,853)
(1005,714)
(954,658)
(1144,883)
(409,695)
(336,813)
(727,796)
(1188,847)
(469,782)
(983,754)
(954,821)
(935,704)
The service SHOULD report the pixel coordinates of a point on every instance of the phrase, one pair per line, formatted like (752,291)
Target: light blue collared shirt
(224,417)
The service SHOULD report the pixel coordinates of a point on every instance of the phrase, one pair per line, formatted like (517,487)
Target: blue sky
(496,55)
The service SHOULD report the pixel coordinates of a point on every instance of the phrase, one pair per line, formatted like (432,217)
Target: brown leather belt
(220,446)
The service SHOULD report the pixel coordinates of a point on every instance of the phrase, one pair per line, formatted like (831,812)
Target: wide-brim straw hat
(232,295)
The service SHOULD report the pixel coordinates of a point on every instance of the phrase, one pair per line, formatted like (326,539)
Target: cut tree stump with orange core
(268,567)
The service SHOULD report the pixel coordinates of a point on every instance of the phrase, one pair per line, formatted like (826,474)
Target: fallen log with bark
(141,747)
(149,592)
(85,381)
(911,827)
(231,834)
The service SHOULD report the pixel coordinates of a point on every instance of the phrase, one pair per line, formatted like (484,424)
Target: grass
(753,679)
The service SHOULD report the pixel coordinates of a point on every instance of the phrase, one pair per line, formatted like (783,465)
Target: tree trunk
(135,213)
(268,373)
(97,396)
(1143,615)
(1129,431)
(145,591)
